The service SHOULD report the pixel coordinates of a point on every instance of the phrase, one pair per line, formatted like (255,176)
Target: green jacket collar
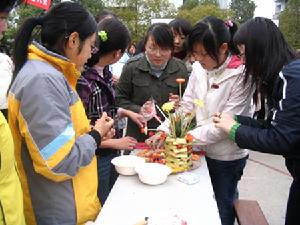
(171,67)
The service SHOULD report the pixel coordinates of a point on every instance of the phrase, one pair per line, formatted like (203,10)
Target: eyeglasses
(162,51)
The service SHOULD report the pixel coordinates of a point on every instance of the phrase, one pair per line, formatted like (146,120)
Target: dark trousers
(293,204)
(107,176)
(225,176)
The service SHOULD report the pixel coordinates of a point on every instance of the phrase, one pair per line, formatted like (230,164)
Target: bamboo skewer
(161,111)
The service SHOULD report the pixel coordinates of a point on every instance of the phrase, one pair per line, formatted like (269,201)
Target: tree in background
(289,23)
(189,4)
(94,6)
(199,12)
(24,11)
(242,10)
(137,14)
(209,2)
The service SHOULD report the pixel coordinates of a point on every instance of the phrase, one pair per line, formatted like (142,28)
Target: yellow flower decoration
(103,35)
(168,106)
(199,103)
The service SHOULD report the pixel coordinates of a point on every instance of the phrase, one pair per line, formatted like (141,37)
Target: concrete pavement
(267,180)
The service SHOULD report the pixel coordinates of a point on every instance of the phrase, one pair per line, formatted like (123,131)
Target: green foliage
(137,14)
(199,12)
(209,2)
(289,23)
(242,10)
(15,20)
(189,4)
(94,6)
(24,11)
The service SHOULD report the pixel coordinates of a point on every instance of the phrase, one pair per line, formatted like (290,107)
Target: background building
(279,7)
(223,3)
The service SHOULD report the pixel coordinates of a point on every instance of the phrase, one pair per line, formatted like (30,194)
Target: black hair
(140,46)
(161,34)
(266,52)
(56,26)
(105,14)
(118,37)
(181,26)
(7,5)
(212,32)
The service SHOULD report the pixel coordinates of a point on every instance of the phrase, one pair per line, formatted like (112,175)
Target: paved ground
(266,180)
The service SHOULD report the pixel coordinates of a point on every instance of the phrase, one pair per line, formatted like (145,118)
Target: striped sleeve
(45,121)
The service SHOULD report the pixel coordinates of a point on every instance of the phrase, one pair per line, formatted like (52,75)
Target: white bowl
(153,173)
(125,164)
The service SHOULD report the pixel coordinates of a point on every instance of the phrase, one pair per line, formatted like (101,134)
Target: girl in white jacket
(218,80)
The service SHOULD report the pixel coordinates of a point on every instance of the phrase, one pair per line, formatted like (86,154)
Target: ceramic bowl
(126,164)
(153,173)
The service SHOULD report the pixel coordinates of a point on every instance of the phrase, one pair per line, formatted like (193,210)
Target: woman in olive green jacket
(151,76)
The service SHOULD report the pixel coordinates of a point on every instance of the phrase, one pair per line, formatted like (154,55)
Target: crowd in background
(67,94)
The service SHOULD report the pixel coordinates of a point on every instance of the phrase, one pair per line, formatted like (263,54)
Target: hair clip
(229,23)
(103,35)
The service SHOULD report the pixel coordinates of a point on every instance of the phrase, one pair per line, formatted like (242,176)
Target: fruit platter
(173,160)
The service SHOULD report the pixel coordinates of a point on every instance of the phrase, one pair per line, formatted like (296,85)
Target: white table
(130,200)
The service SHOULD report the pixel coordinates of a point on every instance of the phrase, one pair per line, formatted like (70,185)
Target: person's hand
(137,118)
(125,143)
(223,121)
(110,134)
(156,141)
(104,124)
(175,99)
(115,79)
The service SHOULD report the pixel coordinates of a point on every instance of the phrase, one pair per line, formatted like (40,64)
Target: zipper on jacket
(2,211)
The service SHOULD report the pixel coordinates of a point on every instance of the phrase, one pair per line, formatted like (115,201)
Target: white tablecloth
(130,201)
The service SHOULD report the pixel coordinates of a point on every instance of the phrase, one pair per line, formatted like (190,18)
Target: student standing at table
(218,80)
(275,71)
(55,148)
(153,75)
(96,90)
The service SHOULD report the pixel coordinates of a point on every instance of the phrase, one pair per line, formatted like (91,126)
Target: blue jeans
(224,178)
(107,176)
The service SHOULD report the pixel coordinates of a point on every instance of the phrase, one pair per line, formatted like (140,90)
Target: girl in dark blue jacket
(275,70)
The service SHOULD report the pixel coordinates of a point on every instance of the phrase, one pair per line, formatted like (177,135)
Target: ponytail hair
(22,40)
(56,26)
(232,27)
(109,40)
(212,32)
